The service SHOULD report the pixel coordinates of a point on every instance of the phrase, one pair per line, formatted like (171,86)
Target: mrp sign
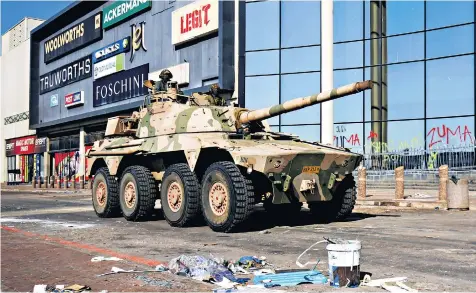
(74,99)
(194,20)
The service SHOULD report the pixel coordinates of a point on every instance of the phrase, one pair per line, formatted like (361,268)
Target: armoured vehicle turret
(204,157)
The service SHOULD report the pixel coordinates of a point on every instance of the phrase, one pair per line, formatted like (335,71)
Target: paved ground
(50,238)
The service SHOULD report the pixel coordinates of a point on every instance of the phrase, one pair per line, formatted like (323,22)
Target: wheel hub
(130,195)
(101,193)
(218,198)
(174,197)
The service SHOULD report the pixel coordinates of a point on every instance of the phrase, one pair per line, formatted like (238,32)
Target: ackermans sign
(73,38)
(122,10)
(25,145)
(194,20)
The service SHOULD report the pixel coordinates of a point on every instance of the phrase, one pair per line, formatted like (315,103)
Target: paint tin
(344,264)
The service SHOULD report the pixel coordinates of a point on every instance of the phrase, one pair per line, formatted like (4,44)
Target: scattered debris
(77,288)
(264,232)
(378,283)
(263,272)
(251,262)
(116,270)
(290,279)
(102,258)
(156,283)
(200,268)
(39,288)
(161,268)
(209,244)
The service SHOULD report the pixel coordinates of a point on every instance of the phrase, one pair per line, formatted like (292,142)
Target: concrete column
(399,184)
(443,172)
(327,69)
(375,102)
(82,158)
(362,190)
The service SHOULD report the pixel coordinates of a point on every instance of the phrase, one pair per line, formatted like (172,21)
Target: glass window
(350,108)
(405,48)
(349,136)
(262,25)
(348,55)
(296,86)
(405,89)
(450,41)
(300,23)
(404,16)
(261,92)
(401,136)
(450,132)
(450,86)
(310,133)
(265,62)
(348,20)
(444,13)
(300,59)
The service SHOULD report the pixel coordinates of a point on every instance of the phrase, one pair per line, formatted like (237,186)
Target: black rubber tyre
(140,180)
(180,178)
(341,205)
(108,206)
(225,177)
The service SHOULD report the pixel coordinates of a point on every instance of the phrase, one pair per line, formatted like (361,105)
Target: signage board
(54,100)
(194,20)
(73,38)
(109,66)
(120,86)
(110,50)
(67,74)
(122,10)
(25,145)
(180,72)
(74,99)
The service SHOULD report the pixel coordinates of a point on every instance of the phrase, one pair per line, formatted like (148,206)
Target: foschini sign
(120,86)
(73,38)
(122,10)
(67,74)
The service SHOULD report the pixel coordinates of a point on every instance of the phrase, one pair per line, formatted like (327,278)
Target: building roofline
(26,17)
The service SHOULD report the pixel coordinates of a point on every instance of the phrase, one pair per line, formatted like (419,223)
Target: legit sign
(194,20)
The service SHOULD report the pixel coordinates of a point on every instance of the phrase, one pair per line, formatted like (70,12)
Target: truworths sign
(122,10)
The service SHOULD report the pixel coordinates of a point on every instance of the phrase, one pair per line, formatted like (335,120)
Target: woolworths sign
(122,10)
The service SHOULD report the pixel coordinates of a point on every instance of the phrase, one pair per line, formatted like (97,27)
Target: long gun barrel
(299,103)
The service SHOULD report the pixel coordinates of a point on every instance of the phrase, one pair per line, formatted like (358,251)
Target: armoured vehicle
(204,157)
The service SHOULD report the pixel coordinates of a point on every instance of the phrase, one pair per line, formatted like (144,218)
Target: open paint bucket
(344,263)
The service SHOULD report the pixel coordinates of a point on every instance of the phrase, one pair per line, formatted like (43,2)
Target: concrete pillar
(399,184)
(443,172)
(458,195)
(327,69)
(362,190)
(375,102)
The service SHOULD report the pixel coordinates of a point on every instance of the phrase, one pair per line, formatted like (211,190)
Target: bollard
(58,182)
(65,182)
(90,182)
(443,192)
(399,184)
(362,190)
(458,194)
(81,182)
(52,181)
(33,182)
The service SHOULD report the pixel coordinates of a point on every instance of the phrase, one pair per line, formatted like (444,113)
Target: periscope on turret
(203,156)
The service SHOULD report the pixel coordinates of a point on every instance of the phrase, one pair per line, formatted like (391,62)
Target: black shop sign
(73,38)
(121,86)
(67,74)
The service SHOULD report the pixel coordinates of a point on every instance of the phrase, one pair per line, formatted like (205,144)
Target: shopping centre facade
(87,63)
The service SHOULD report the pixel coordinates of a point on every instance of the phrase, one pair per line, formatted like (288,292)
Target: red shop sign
(25,145)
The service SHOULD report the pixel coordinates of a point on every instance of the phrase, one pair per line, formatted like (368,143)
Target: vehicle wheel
(180,195)
(227,197)
(340,206)
(105,198)
(137,193)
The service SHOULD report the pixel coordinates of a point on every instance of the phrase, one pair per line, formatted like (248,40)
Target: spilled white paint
(48,223)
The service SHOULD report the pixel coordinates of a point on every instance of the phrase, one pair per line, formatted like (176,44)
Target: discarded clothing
(290,279)
(251,262)
(152,282)
(200,267)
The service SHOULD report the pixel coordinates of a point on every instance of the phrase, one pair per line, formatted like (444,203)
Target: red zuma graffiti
(353,140)
(444,134)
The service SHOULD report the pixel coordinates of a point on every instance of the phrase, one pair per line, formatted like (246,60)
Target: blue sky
(14,11)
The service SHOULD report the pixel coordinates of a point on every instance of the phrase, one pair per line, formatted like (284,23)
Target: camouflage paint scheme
(307,170)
